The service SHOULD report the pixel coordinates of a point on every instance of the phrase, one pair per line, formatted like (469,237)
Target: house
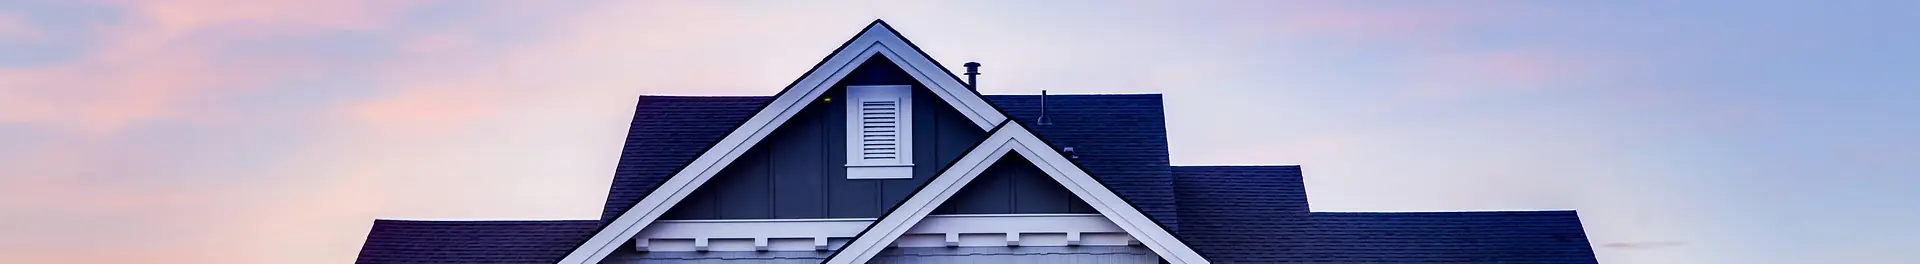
(879,155)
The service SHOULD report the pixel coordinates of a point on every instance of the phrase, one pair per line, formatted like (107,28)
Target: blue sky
(209,131)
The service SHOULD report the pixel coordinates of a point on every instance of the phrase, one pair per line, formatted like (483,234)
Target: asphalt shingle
(1243,214)
(1259,214)
(668,132)
(406,241)
(1451,237)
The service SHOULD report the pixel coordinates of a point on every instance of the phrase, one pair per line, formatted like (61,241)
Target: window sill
(879,172)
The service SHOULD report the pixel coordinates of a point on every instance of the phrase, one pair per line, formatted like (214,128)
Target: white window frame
(901,166)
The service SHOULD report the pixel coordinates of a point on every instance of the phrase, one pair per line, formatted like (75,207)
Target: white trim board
(1012,137)
(876,39)
(936,231)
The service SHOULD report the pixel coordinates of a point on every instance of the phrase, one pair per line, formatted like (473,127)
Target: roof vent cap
(973,74)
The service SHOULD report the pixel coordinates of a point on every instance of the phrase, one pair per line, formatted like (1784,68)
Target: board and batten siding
(1014,186)
(799,171)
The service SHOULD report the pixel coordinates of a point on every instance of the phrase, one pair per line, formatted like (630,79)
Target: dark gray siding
(1013,186)
(798,172)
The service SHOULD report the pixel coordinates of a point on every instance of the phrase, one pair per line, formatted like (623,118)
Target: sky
(215,131)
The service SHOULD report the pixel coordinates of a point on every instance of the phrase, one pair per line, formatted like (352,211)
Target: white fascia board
(877,38)
(1014,138)
(756,228)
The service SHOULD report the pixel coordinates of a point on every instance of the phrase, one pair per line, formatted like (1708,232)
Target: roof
(1243,213)
(409,241)
(1259,214)
(668,132)
(1454,237)
(1120,138)
(1230,214)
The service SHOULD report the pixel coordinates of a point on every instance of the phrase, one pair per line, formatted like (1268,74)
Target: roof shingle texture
(666,133)
(1450,237)
(1258,214)
(1243,213)
(405,241)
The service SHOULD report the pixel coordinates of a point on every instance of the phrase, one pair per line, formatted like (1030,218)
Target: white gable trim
(1014,138)
(876,39)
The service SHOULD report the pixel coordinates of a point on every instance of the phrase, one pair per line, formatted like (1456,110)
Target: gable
(877,41)
(1012,185)
(795,172)
(1013,139)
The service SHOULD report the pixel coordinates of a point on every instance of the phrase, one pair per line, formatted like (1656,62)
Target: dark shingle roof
(1240,214)
(1258,214)
(404,241)
(667,132)
(1120,138)
(1451,237)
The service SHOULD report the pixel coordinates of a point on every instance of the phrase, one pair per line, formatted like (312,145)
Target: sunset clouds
(206,131)
(159,60)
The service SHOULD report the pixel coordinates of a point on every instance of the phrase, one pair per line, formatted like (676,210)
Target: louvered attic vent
(879,132)
(880,129)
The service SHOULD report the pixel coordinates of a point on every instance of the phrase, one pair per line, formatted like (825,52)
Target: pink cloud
(278,15)
(84,194)
(157,63)
(58,210)
(432,109)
